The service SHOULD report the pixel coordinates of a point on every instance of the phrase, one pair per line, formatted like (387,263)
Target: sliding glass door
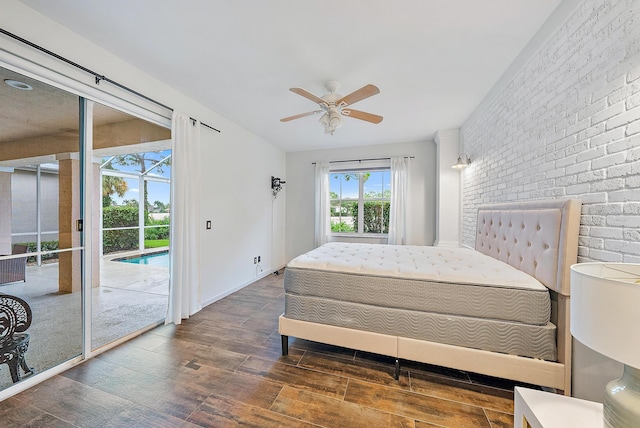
(41,246)
(133,163)
(84,189)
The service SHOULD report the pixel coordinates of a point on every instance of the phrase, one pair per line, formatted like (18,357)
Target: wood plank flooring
(223,367)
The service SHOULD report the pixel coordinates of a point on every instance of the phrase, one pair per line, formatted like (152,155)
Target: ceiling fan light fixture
(331,120)
(334,122)
(334,106)
(324,120)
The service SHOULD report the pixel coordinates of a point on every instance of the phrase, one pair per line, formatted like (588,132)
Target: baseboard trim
(263,274)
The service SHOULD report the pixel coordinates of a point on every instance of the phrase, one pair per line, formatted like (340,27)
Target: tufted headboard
(539,238)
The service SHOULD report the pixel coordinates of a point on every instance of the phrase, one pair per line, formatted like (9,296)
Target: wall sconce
(276,185)
(463,162)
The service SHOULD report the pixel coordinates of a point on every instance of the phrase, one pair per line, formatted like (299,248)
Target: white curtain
(184,289)
(323,222)
(399,201)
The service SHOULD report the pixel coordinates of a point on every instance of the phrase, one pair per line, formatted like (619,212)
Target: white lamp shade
(605,309)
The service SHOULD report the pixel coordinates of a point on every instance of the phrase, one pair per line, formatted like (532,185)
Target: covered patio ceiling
(39,123)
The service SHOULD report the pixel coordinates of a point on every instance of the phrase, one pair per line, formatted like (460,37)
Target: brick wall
(567,124)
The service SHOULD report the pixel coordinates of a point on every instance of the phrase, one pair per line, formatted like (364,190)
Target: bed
(501,309)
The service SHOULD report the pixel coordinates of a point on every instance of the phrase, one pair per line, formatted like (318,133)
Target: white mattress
(437,264)
(456,296)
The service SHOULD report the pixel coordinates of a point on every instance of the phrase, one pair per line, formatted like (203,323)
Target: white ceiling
(433,60)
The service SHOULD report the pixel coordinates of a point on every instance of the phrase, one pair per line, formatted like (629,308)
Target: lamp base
(622,400)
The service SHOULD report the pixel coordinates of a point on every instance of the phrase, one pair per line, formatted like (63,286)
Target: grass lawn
(156,243)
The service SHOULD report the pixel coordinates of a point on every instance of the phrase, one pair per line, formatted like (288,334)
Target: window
(360,201)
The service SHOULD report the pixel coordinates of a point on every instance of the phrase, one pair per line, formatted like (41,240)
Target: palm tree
(112,185)
(141,160)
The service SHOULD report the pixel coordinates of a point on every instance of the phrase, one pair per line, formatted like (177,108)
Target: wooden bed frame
(516,233)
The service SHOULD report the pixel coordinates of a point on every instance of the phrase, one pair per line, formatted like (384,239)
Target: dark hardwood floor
(223,367)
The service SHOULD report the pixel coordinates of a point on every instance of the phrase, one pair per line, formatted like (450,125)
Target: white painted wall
(566,123)
(300,190)
(246,220)
(236,164)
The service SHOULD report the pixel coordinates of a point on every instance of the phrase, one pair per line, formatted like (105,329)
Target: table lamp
(605,316)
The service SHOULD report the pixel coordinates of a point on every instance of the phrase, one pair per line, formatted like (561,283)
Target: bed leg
(285,345)
(397,374)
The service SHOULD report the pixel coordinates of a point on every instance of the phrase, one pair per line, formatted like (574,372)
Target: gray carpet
(130,298)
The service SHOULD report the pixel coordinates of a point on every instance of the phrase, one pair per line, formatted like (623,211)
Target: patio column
(5,210)
(69,211)
(69,275)
(448,189)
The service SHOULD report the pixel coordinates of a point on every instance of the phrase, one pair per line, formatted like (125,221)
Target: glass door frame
(65,77)
(86,147)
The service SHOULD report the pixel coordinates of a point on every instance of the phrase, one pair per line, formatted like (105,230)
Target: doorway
(47,151)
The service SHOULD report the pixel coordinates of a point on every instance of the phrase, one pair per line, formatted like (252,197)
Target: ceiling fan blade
(308,95)
(298,116)
(360,94)
(362,115)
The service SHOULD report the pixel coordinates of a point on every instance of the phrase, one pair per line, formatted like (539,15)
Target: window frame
(360,200)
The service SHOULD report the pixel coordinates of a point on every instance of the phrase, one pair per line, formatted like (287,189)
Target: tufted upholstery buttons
(508,235)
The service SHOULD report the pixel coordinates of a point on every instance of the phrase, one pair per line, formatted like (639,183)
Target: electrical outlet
(255,260)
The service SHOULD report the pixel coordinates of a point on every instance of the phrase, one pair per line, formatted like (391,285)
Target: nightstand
(539,409)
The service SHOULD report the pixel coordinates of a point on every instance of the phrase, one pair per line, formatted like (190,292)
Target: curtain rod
(210,127)
(364,160)
(97,76)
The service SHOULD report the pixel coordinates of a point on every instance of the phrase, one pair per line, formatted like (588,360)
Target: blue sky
(157,191)
(378,182)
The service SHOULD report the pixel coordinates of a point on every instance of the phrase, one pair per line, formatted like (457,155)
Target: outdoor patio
(130,297)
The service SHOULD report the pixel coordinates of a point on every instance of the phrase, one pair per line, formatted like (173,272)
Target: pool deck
(130,297)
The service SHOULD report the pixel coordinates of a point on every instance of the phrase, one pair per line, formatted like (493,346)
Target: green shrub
(119,240)
(32,247)
(341,227)
(120,216)
(374,213)
(155,233)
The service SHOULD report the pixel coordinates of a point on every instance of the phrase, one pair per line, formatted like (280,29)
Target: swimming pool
(154,259)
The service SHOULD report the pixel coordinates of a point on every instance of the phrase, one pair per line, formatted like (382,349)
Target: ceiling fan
(334,106)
